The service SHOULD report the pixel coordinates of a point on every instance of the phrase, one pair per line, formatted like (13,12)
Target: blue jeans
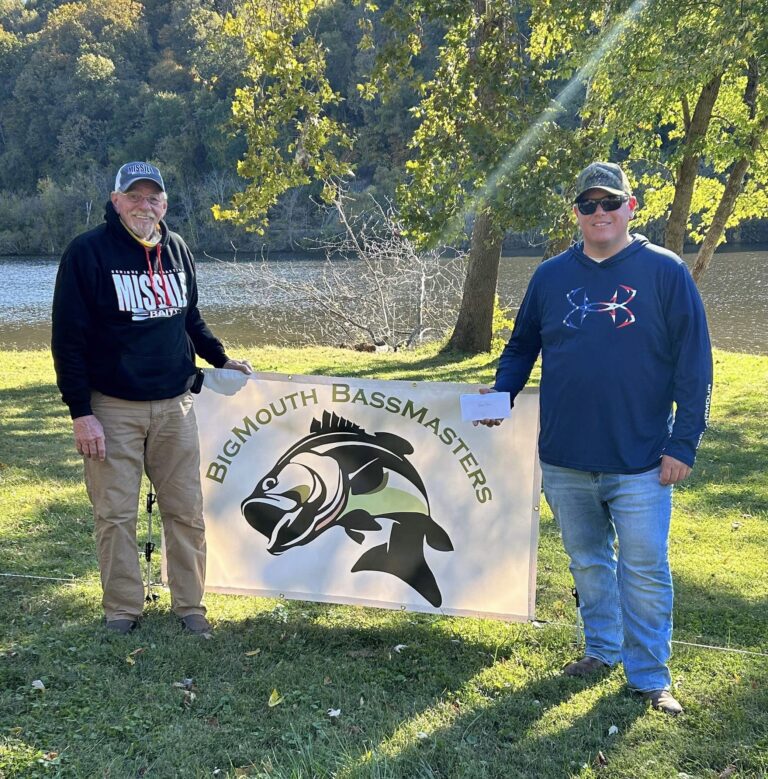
(626,598)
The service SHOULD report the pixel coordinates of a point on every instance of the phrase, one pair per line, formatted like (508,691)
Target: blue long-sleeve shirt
(622,341)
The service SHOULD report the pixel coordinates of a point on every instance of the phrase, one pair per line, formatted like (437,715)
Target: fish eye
(269,483)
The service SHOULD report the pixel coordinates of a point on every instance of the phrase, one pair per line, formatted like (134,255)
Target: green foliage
(644,91)
(281,108)
(460,106)
(502,324)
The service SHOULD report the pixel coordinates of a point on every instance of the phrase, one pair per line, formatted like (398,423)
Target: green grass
(466,698)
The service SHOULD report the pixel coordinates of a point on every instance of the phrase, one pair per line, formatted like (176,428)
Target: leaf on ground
(38,685)
(188,699)
(253,653)
(327,680)
(601,760)
(275,699)
(131,658)
(613,730)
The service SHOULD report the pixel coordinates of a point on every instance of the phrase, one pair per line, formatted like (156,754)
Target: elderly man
(623,338)
(126,329)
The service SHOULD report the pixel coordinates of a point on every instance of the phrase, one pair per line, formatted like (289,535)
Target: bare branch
(373,282)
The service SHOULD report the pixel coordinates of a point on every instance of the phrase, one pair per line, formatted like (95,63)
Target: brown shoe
(663,700)
(197,625)
(587,666)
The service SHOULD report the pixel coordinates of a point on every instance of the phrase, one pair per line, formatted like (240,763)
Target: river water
(734,289)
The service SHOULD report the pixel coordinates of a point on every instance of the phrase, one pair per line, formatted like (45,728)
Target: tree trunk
(472,333)
(736,177)
(724,210)
(556,245)
(726,205)
(696,129)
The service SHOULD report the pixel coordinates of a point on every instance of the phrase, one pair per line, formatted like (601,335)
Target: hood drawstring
(162,276)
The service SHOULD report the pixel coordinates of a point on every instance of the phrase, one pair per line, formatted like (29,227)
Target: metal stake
(149,547)
(579,623)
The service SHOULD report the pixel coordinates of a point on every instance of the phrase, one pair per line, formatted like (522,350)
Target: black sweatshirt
(125,318)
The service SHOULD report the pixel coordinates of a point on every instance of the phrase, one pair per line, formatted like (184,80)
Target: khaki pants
(159,437)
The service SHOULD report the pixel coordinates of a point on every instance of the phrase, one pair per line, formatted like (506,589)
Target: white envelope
(492,405)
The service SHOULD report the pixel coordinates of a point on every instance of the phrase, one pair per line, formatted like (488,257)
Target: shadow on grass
(313,663)
(730,471)
(56,541)
(36,435)
(720,617)
(122,700)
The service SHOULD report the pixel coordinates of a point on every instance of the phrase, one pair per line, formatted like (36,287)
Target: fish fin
(368,478)
(332,423)
(355,535)
(358,519)
(394,443)
(403,557)
(435,536)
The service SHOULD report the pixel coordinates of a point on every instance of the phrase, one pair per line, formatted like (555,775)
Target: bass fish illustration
(341,476)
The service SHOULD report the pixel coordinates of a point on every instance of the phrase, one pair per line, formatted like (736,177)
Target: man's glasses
(613,203)
(135,197)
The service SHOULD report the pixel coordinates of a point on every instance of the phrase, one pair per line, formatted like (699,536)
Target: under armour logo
(613,307)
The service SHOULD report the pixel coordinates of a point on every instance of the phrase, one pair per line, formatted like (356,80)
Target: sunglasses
(613,203)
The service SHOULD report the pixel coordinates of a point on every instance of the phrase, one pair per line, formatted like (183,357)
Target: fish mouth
(265,513)
(286,533)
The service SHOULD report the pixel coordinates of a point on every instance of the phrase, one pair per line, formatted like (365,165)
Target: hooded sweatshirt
(125,318)
(622,341)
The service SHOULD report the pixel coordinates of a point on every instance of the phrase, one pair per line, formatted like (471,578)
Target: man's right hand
(487,422)
(89,437)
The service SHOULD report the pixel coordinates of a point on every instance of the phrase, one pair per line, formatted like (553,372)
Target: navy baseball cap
(603,175)
(132,172)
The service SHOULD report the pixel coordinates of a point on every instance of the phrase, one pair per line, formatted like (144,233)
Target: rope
(71,580)
(539,623)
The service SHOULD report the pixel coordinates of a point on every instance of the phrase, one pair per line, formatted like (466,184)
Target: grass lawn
(465,698)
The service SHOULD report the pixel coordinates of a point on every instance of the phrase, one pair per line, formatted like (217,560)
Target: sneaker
(587,666)
(197,625)
(663,700)
(121,626)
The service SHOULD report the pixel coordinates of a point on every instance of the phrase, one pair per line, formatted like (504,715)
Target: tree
(684,97)
(497,137)
(281,108)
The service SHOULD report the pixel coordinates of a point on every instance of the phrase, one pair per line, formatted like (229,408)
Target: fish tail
(403,557)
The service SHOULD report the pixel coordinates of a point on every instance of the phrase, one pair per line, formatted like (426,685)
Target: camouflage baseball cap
(602,175)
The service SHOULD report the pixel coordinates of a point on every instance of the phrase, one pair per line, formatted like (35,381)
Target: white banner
(368,492)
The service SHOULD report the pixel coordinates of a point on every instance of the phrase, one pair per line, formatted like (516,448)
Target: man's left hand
(672,470)
(238,365)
